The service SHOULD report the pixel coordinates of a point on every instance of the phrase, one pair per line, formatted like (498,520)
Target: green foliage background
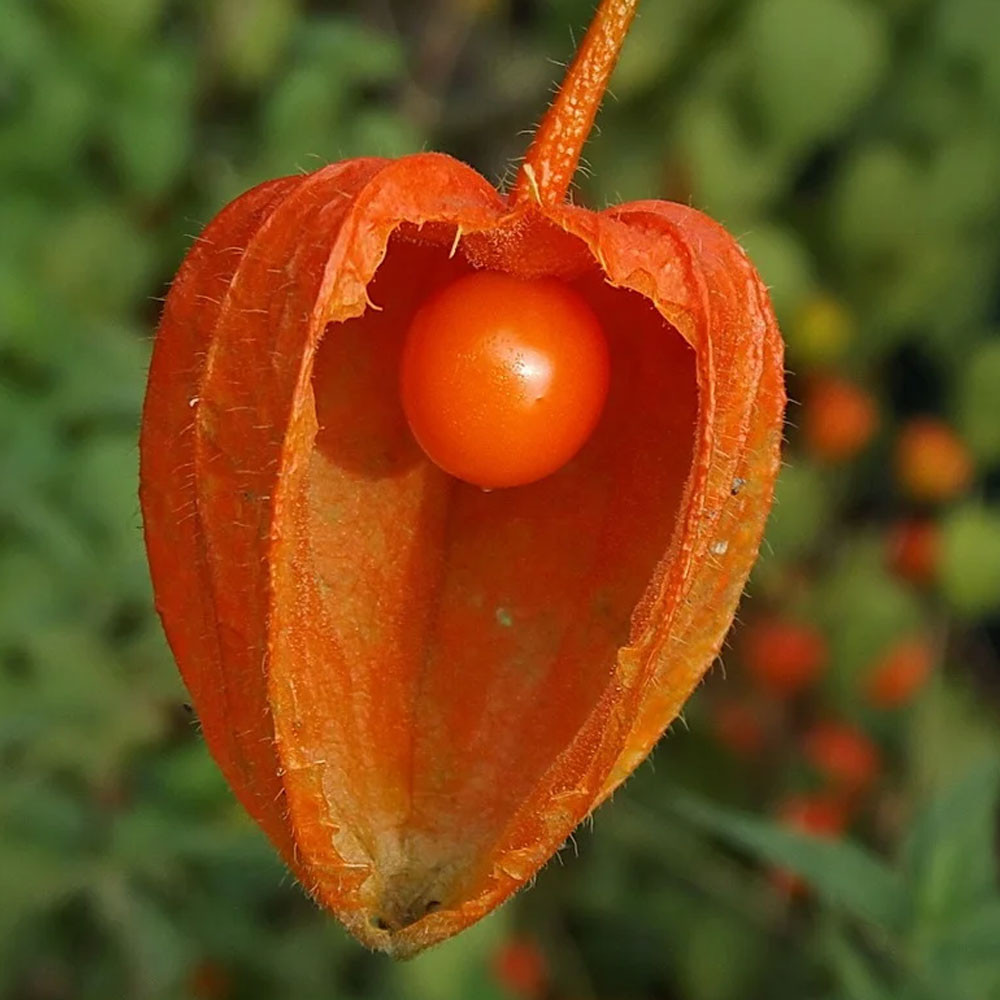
(854,147)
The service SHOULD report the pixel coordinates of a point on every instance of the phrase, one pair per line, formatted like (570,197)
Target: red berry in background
(738,727)
(520,967)
(913,550)
(783,657)
(932,462)
(839,418)
(900,673)
(843,754)
(821,815)
(210,981)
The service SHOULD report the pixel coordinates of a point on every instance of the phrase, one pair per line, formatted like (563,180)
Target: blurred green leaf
(457,967)
(626,165)
(864,610)
(301,118)
(844,875)
(857,978)
(813,63)
(50,128)
(951,874)
(709,933)
(733,178)
(942,285)
(349,49)
(966,947)
(877,204)
(312,115)
(969,28)
(970,562)
(978,392)
(948,855)
(103,387)
(95,260)
(251,36)
(113,22)
(155,950)
(784,264)
(33,879)
(962,179)
(81,716)
(657,41)
(380,133)
(102,479)
(950,732)
(151,124)
(802,513)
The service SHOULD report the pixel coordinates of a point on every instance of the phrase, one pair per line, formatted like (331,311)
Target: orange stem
(552,158)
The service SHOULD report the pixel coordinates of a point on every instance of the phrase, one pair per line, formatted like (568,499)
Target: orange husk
(417,688)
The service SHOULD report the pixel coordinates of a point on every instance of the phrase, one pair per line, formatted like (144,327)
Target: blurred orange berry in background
(839,418)
(913,550)
(843,754)
(783,657)
(900,672)
(210,981)
(738,727)
(932,462)
(520,967)
(821,815)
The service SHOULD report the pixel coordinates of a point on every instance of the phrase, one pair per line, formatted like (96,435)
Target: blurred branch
(447,26)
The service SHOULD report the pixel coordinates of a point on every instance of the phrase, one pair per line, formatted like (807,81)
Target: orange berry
(783,657)
(738,727)
(210,981)
(503,379)
(520,967)
(900,673)
(838,418)
(821,815)
(844,754)
(932,462)
(913,550)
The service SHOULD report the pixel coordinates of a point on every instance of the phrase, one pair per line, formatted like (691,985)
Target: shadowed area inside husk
(466,635)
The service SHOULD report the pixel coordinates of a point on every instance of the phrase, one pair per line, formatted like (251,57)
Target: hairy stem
(552,158)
